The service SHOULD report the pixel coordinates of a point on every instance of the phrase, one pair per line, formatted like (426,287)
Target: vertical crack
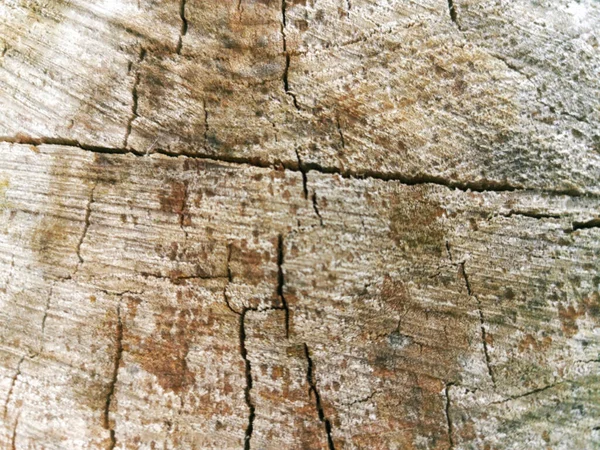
(46,309)
(339,129)
(448,251)
(86,225)
(184,26)
(13,438)
(113,382)
(205,124)
(453,13)
(286,70)
(302,170)
(229,280)
(248,369)
(463,272)
(134,96)
(12,387)
(310,377)
(316,207)
(448,418)
(481,322)
(281,283)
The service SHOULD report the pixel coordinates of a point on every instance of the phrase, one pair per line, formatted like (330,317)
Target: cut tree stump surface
(301,224)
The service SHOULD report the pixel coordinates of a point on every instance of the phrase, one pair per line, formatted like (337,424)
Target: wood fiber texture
(299,224)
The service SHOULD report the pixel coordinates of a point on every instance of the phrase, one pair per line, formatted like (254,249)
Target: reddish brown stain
(531,343)
(164,353)
(589,306)
(175,201)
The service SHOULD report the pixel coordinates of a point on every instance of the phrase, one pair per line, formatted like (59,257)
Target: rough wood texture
(320,224)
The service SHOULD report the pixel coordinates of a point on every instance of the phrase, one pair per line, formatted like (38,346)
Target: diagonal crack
(312,383)
(12,387)
(527,394)
(453,13)
(486,352)
(340,132)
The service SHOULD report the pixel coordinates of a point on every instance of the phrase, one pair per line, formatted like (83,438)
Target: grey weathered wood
(299,224)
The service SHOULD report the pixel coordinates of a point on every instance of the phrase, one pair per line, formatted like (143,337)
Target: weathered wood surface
(300,224)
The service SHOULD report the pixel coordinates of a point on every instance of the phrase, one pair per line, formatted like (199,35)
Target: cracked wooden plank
(299,224)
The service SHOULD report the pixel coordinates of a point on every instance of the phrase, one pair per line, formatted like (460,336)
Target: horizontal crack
(532,215)
(406,179)
(593,223)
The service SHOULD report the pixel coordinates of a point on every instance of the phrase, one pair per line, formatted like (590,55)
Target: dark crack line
(134,97)
(448,417)
(406,179)
(304,176)
(13,438)
(363,400)
(12,387)
(310,377)
(532,215)
(86,225)
(593,223)
(46,310)
(184,26)
(481,323)
(339,130)
(281,283)
(316,207)
(113,382)
(181,278)
(288,57)
(453,13)
(248,371)
(527,394)
(449,251)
